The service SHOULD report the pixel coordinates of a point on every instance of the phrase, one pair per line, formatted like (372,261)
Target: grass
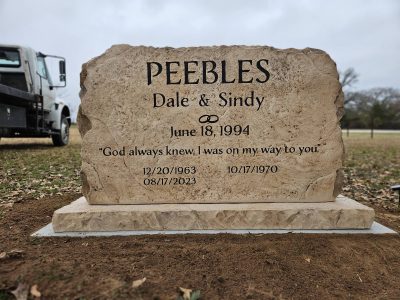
(33,168)
(4,295)
(371,167)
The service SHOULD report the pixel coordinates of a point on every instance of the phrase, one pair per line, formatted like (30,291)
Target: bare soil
(289,266)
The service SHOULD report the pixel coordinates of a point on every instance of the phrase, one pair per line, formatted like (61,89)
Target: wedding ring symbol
(209,119)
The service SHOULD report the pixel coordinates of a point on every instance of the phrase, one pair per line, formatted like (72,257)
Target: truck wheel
(62,138)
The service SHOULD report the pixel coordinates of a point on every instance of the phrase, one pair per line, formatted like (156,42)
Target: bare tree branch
(348,78)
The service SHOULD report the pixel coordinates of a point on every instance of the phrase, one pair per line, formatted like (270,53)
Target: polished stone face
(210,125)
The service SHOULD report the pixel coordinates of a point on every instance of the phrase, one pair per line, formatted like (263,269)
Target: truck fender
(59,109)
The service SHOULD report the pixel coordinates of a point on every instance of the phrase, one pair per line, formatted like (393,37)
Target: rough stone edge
(84,123)
(348,214)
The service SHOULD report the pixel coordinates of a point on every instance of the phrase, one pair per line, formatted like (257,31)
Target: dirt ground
(290,266)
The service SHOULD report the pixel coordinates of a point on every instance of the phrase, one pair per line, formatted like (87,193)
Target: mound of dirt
(219,266)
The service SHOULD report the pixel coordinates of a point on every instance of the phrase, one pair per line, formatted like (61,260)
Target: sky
(362,34)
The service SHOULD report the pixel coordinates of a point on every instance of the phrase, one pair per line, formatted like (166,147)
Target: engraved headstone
(223,137)
(210,125)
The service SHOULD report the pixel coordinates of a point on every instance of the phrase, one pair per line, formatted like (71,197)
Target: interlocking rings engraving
(208,119)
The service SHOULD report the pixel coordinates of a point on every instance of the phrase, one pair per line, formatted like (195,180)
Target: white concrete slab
(48,231)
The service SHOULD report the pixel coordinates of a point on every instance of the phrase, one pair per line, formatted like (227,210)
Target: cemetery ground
(36,179)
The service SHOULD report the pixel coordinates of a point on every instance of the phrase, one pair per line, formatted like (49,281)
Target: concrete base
(343,213)
(48,231)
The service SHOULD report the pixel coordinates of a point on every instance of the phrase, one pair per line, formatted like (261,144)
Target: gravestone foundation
(229,137)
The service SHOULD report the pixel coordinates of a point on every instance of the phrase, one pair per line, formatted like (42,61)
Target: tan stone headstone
(222,124)
(209,138)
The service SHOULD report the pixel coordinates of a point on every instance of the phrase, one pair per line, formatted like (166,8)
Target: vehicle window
(41,67)
(9,58)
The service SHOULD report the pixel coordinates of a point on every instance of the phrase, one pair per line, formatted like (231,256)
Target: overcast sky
(362,34)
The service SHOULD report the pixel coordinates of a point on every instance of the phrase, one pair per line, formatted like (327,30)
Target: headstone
(211,125)
(230,137)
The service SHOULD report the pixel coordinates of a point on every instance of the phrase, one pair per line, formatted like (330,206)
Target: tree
(374,108)
(348,79)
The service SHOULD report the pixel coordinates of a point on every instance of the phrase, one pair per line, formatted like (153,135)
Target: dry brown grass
(32,167)
(75,139)
(371,167)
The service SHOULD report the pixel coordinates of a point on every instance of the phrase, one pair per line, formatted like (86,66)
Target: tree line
(376,108)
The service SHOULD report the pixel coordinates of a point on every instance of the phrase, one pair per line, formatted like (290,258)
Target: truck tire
(62,139)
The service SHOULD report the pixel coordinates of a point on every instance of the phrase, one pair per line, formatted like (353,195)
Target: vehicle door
(44,81)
